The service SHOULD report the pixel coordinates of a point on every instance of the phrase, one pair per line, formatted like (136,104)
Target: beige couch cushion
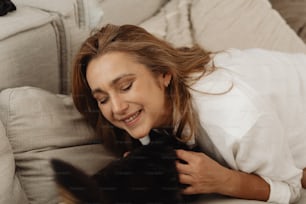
(172,23)
(242,24)
(72,21)
(39,126)
(28,50)
(135,11)
(86,13)
(294,12)
(217,25)
(10,188)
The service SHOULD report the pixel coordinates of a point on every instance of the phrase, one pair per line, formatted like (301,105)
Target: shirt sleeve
(264,150)
(250,137)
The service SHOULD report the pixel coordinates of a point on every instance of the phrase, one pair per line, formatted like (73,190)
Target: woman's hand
(204,175)
(201,173)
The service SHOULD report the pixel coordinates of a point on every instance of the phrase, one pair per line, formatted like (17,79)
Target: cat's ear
(75,186)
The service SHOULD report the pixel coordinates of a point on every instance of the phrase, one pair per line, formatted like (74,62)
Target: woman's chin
(139,135)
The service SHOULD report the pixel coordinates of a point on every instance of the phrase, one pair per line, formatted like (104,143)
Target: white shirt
(259,125)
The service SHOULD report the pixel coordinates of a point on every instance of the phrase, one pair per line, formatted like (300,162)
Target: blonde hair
(156,54)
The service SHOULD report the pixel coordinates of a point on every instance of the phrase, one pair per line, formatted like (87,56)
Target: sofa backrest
(28,50)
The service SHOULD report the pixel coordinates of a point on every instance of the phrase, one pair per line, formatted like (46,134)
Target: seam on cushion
(9,107)
(76,13)
(61,37)
(80,13)
(7,127)
(8,118)
(17,173)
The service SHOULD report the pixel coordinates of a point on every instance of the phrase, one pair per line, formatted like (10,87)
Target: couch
(38,42)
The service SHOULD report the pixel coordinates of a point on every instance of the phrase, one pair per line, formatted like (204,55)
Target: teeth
(132,117)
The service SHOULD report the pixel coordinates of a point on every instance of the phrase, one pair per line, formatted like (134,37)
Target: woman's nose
(119,106)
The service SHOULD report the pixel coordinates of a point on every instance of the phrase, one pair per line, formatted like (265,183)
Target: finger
(185,179)
(184,155)
(183,168)
(189,190)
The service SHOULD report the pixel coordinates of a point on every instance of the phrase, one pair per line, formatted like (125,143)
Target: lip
(132,119)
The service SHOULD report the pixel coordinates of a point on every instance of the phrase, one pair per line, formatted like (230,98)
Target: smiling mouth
(130,120)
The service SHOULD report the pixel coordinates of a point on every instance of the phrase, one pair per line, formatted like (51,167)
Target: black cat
(6,6)
(147,175)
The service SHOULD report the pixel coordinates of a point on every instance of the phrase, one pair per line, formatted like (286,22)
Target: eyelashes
(122,89)
(126,87)
(103,101)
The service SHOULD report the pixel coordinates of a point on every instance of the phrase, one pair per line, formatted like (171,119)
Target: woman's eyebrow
(113,83)
(116,80)
(97,91)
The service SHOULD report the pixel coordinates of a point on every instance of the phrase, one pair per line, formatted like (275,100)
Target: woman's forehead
(112,67)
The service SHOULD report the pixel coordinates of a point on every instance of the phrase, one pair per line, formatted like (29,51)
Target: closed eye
(102,100)
(126,87)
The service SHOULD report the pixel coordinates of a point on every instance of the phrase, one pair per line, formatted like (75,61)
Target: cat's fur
(147,175)
(6,6)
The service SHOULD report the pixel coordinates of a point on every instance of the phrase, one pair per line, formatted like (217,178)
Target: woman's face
(128,94)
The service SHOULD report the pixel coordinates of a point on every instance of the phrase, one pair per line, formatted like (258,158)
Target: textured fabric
(6,6)
(24,19)
(10,189)
(87,14)
(90,13)
(129,12)
(172,23)
(29,50)
(40,126)
(259,125)
(218,25)
(294,12)
(221,24)
(65,8)
(72,21)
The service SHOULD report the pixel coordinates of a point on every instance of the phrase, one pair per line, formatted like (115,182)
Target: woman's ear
(167,79)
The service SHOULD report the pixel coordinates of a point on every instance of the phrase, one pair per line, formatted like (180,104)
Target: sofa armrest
(10,189)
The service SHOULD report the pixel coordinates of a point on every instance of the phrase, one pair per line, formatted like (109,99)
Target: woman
(244,108)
